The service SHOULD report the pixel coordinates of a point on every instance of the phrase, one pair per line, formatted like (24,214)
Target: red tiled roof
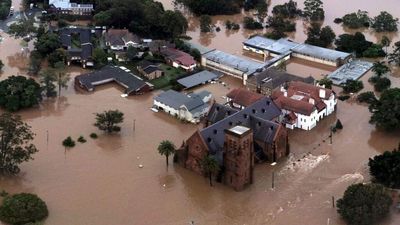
(312,90)
(243,97)
(180,57)
(293,105)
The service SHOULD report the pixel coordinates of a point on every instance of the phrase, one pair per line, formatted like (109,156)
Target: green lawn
(171,74)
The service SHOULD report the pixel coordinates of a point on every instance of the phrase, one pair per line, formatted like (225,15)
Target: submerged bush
(68,142)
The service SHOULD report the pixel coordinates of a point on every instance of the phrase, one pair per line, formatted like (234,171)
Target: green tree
(62,77)
(356,20)
(166,148)
(23,208)
(380,68)
(385,22)
(364,204)
(47,43)
(107,120)
(385,42)
(210,166)
(18,92)
(35,62)
(59,55)
(174,23)
(16,146)
(131,53)
(385,168)
(367,97)
(205,24)
(68,142)
(326,82)
(1,65)
(287,10)
(353,86)
(313,10)
(251,24)
(22,28)
(382,83)
(386,113)
(352,43)
(99,57)
(394,57)
(47,79)
(320,37)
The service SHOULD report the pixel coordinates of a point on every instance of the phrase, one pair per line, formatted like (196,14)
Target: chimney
(311,101)
(322,93)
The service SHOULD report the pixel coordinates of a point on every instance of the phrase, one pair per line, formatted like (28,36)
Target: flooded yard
(100,182)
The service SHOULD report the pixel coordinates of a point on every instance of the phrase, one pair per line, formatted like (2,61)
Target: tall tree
(47,79)
(18,92)
(320,37)
(47,43)
(313,10)
(15,143)
(380,68)
(1,65)
(166,148)
(205,24)
(62,76)
(385,42)
(210,166)
(326,82)
(364,204)
(108,120)
(385,22)
(385,168)
(394,57)
(22,28)
(385,112)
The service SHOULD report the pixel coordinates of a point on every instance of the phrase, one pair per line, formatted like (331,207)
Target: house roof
(321,53)
(85,52)
(144,64)
(198,78)
(120,37)
(110,73)
(257,116)
(243,97)
(274,78)
(309,89)
(287,103)
(150,69)
(176,100)
(179,56)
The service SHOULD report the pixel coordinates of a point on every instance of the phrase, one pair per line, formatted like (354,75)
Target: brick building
(252,133)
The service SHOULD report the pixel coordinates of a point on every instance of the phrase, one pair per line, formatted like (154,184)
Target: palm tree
(62,76)
(380,68)
(166,148)
(210,166)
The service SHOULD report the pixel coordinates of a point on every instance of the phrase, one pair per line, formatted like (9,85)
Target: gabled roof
(151,69)
(198,78)
(179,56)
(297,106)
(243,97)
(176,100)
(274,78)
(321,53)
(120,37)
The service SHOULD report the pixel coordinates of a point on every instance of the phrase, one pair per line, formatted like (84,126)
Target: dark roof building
(79,48)
(272,79)
(132,83)
(119,39)
(198,78)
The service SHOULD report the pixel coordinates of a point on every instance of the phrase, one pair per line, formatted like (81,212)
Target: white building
(121,39)
(190,107)
(66,7)
(303,105)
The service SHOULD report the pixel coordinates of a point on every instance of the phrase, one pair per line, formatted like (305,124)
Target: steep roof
(151,69)
(257,116)
(243,97)
(120,37)
(176,100)
(312,90)
(179,56)
(297,106)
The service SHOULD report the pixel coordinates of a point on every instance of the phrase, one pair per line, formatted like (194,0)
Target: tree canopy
(108,120)
(166,148)
(356,20)
(16,147)
(385,168)
(47,43)
(146,18)
(287,10)
(364,204)
(23,208)
(313,10)
(353,86)
(386,111)
(359,45)
(394,57)
(320,37)
(385,22)
(18,92)
(221,7)
(209,166)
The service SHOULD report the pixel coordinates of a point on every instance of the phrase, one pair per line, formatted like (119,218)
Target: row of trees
(384,22)
(222,7)
(4,9)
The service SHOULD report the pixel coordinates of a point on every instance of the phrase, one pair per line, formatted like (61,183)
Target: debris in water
(306,163)
(140,166)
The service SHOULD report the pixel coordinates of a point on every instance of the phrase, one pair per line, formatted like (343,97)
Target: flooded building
(350,71)
(199,78)
(149,70)
(273,79)
(269,47)
(231,64)
(178,58)
(133,84)
(236,139)
(121,39)
(68,7)
(241,98)
(303,105)
(77,42)
(191,107)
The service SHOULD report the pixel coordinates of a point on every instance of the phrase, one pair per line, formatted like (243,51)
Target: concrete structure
(350,71)
(199,78)
(269,47)
(231,64)
(190,108)
(121,39)
(240,98)
(272,79)
(77,42)
(178,58)
(67,7)
(303,105)
(133,84)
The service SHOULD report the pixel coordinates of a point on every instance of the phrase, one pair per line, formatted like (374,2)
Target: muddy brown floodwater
(100,183)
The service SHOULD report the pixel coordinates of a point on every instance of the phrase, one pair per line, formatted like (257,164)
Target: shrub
(338,20)
(93,136)
(364,204)
(343,97)
(68,143)
(382,83)
(385,168)
(339,125)
(23,208)
(353,86)
(367,97)
(81,139)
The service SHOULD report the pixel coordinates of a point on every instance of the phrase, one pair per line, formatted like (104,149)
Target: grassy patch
(171,74)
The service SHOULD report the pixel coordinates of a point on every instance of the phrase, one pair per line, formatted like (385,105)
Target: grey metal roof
(350,71)
(257,117)
(321,53)
(281,46)
(110,73)
(244,65)
(259,42)
(176,99)
(201,94)
(198,78)
(199,47)
(274,78)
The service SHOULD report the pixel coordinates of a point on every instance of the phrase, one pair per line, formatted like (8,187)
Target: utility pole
(273,179)
(330,136)
(47,139)
(134,124)
(333,201)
